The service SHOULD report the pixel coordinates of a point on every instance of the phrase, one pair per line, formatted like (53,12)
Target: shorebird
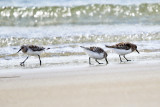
(95,53)
(123,49)
(31,50)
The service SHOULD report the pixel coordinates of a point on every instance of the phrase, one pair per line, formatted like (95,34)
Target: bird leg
(106,60)
(98,62)
(120,58)
(89,60)
(126,58)
(22,63)
(39,59)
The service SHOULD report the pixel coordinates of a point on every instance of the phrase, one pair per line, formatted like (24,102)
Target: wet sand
(121,85)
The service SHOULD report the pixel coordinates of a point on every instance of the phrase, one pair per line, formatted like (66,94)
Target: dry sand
(121,85)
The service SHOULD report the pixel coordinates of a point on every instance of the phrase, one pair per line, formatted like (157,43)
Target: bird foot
(122,62)
(22,63)
(128,60)
(100,63)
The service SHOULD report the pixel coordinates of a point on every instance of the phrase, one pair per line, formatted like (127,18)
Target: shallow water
(65,42)
(65,27)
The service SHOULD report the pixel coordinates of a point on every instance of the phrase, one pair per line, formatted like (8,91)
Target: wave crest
(17,41)
(85,14)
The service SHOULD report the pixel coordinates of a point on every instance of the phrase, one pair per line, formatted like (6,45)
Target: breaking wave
(145,13)
(17,41)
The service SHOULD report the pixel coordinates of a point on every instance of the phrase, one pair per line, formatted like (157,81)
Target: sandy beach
(121,85)
(50,35)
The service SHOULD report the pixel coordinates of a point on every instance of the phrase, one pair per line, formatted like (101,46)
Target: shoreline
(115,86)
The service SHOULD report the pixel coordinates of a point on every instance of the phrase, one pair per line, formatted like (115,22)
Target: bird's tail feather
(86,48)
(82,47)
(109,46)
(48,48)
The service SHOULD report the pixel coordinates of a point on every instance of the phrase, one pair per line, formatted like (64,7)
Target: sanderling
(31,50)
(123,49)
(95,53)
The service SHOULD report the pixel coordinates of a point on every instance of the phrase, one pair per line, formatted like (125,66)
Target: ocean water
(64,25)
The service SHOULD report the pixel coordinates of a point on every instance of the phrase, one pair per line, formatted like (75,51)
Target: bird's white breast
(31,52)
(122,51)
(94,55)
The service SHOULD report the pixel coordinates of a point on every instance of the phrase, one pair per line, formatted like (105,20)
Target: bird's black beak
(137,51)
(19,50)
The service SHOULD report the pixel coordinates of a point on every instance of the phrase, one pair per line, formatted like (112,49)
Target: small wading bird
(31,50)
(95,53)
(123,48)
